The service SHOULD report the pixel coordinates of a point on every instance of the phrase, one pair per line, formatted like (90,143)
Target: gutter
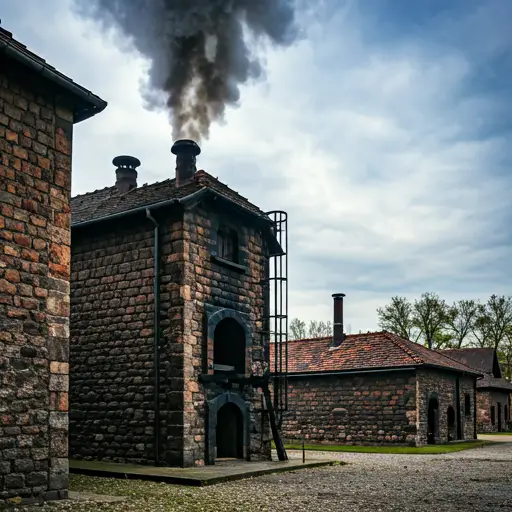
(351,372)
(156,334)
(96,104)
(155,206)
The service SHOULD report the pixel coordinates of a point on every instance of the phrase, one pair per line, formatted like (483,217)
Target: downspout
(156,337)
(457,398)
(475,433)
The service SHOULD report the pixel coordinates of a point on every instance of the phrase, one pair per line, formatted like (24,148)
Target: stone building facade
(198,323)
(37,113)
(376,388)
(493,391)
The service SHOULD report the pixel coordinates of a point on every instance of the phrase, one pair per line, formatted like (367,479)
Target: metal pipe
(156,334)
(57,78)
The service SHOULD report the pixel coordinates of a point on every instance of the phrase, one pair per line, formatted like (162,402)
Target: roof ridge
(397,340)
(92,192)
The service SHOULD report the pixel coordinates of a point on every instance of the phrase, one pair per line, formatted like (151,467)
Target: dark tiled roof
(108,201)
(491,382)
(363,352)
(485,360)
(482,359)
(15,49)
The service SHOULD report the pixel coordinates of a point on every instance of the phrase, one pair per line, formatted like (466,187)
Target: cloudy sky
(384,132)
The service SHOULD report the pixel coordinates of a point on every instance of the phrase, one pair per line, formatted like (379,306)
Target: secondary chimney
(338,334)
(186,151)
(125,173)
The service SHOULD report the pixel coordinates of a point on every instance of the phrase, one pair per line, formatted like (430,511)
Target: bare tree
(297,329)
(505,354)
(430,315)
(493,321)
(461,320)
(397,317)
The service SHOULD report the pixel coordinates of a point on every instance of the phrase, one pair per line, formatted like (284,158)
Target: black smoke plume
(199,50)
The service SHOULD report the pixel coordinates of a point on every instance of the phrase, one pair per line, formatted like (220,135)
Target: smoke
(199,50)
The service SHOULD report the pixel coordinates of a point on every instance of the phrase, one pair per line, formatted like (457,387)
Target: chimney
(338,335)
(125,173)
(186,151)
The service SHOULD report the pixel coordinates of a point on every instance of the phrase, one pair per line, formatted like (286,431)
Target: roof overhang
(86,104)
(352,372)
(190,201)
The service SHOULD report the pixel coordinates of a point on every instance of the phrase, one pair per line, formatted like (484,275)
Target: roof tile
(108,201)
(363,352)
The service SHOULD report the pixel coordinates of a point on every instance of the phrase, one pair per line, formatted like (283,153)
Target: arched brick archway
(232,404)
(216,316)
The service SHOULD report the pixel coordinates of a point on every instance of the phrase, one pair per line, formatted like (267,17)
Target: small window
(507,413)
(227,245)
(467,404)
(493,415)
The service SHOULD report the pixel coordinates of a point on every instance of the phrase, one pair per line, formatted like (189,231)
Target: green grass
(495,433)
(429,449)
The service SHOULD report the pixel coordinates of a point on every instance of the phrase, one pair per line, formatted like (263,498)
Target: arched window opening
(450,418)
(229,347)
(493,415)
(230,423)
(227,244)
(467,404)
(432,420)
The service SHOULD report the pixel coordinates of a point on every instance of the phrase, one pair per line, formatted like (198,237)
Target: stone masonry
(371,409)
(112,335)
(36,126)
(487,399)
(381,408)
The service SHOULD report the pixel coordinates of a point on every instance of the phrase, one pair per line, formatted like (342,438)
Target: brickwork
(487,399)
(112,407)
(208,282)
(443,386)
(366,409)
(35,177)
(112,413)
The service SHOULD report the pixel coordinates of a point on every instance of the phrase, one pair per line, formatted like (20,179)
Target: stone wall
(209,282)
(35,178)
(442,385)
(487,398)
(364,409)
(112,407)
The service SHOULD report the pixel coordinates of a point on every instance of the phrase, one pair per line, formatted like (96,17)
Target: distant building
(493,391)
(376,388)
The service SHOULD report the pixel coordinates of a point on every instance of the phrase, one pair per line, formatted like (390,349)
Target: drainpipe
(457,398)
(475,433)
(156,331)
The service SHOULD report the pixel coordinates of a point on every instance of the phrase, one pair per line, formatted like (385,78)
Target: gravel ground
(474,480)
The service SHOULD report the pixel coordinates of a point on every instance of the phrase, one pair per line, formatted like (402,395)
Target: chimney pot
(338,334)
(126,175)
(186,151)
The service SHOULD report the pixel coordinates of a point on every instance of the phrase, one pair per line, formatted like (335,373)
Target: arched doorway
(229,347)
(432,420)
(230,435)
(450,418)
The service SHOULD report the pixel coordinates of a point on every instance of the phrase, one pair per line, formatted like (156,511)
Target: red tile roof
(363,352)
(108,201)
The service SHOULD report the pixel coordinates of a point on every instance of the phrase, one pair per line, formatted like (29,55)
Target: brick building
(376,388)
(160,367)
(493,391)
(38,107)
